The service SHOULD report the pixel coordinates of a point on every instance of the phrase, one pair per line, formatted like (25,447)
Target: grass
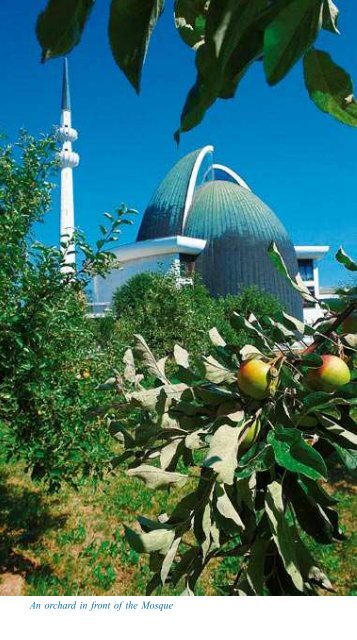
(73,543)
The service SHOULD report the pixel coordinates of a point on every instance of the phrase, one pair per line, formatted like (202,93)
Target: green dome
(239,228)
(201,199)
(164,214)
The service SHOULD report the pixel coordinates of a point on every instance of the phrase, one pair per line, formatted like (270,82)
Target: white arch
(193,179)
(233,175)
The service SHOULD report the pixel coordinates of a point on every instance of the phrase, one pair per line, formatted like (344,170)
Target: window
(306,269)
(306,303)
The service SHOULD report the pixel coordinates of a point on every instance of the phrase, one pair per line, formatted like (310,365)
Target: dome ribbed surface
(164,214)
(238,228)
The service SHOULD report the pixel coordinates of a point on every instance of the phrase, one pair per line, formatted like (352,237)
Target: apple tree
(48,354)
(244,438)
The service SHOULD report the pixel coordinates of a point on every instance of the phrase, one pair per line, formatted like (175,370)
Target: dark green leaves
(131,24)
(292,452)
(59,28)
(330,87)
(218,68)
(330,16)
(190,20)
(312,516)
(289,35)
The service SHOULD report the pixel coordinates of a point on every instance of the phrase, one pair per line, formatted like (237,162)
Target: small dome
(239,228)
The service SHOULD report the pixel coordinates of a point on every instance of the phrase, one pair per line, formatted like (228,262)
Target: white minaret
(68,160)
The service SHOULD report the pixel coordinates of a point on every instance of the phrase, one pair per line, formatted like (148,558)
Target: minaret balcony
(65,133)
(68,159)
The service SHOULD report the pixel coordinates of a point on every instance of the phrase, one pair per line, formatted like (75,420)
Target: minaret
(68,161)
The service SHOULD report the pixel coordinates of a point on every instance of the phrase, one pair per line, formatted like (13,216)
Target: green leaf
(311,516)
(168,453)
(289,35)
(297,283)
(343,258)
(294,324)
(202,528)
(330,16)
(225,507)
(131,24)
(256,565)
(249,352)
(316,491)
(316,400)
(158,540)
(263,461)
(215,372)
(129,369)
(117,429)
(216,338)
(307,564)
(168,560)
(238,322)
(160,398)
(274,508)
(143,351)
(330,87)
(312,360)
(60,26)
(181,356)
(222,453)
(348,457)
(190,21)
(337,432)
(227,22)
(294,454)
(155,478)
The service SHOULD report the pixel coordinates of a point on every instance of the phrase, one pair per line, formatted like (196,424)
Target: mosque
(202,218)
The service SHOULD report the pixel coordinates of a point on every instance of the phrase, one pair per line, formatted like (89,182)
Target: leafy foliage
(256,501)
(228,37)
(153,305)
(48,354)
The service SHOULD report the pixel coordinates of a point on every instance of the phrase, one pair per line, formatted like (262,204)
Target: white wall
(103,288)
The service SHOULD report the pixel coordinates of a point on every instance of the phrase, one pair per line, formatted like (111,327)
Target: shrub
(153,305)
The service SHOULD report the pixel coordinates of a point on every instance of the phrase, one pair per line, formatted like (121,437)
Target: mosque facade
(203,218)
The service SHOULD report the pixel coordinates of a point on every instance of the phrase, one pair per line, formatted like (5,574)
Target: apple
(250,436)
(332,374)
(253,378)
(349,325)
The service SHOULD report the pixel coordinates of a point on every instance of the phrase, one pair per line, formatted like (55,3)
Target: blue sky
(301,162)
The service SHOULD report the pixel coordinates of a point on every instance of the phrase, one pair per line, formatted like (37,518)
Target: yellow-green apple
(253,378)
(250,436)
(332,374)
